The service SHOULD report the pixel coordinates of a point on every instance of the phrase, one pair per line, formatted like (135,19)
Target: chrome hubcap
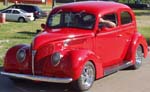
(139,56)
(21,20)
(87,76)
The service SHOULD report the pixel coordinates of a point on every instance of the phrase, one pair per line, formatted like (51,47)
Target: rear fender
(137,40)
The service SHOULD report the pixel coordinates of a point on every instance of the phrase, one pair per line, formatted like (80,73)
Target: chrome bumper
(38,78)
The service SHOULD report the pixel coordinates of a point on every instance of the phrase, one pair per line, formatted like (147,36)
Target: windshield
(71,19)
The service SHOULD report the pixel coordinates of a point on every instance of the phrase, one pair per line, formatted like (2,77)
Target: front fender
(11,63)
(138,39)
(75,61)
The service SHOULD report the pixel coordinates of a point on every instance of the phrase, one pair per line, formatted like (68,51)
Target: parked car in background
(38,13)
(138,6)
(18,15)
(78,45)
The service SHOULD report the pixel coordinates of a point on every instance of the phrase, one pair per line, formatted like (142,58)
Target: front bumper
(38,78)
(29,19)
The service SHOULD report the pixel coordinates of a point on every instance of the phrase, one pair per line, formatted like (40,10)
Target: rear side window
(126,18)
(16,12)
(111,17)
(108,20)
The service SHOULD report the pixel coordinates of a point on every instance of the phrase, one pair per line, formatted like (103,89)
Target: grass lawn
(143,23)
(12,33)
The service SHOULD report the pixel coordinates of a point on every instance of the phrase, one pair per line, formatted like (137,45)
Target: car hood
(53,35)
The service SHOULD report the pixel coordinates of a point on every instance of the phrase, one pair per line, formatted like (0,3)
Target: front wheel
(138,58)
(86,78)
(21,19)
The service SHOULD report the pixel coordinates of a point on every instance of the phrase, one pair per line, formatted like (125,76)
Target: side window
(56,20)
(109,20)
(16,12)
(7,11)
(126,18)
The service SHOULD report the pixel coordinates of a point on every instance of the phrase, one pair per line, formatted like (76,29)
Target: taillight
(36,13)
(28,16)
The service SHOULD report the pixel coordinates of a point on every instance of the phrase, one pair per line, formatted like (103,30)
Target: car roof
(13,9)
(93,6)
(24,5)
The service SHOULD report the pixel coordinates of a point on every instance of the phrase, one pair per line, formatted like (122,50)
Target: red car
(81,42)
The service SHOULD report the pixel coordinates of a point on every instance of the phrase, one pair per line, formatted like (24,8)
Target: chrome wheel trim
(139,56)
(21,20)
(87,76)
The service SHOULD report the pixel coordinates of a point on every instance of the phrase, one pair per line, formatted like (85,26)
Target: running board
(116,68)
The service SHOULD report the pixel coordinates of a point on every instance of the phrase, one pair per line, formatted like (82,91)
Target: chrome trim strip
(38,78)
(115,68)
(33,56)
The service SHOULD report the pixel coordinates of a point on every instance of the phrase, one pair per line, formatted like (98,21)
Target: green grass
(143,23)
(12,33)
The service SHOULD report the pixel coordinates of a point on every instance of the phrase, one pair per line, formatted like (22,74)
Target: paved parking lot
(122,81)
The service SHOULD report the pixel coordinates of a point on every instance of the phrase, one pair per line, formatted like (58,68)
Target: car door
(8,14)
(109,42)
(127,29)
(15,15)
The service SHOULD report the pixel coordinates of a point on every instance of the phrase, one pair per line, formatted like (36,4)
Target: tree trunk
(53,3)
(5,2)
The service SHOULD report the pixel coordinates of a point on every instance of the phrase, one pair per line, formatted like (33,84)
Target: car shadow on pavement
(20,85)
(30,86)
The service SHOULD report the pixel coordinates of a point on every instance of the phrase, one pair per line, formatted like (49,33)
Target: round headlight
(21,55)
(55,58)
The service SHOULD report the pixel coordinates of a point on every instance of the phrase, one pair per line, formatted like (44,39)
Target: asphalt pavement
(122,81)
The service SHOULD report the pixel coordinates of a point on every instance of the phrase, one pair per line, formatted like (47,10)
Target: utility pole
(5,2)
(53,3)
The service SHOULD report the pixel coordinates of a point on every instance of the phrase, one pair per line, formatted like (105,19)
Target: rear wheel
(21,19)
(86,79)
(34,18)
(138,58)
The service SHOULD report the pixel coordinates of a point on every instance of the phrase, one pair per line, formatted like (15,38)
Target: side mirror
(43,26)
(103,26)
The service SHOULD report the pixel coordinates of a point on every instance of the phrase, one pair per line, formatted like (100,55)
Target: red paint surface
(104,48)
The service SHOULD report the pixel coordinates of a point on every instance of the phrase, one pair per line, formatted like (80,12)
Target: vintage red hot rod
(80,42)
